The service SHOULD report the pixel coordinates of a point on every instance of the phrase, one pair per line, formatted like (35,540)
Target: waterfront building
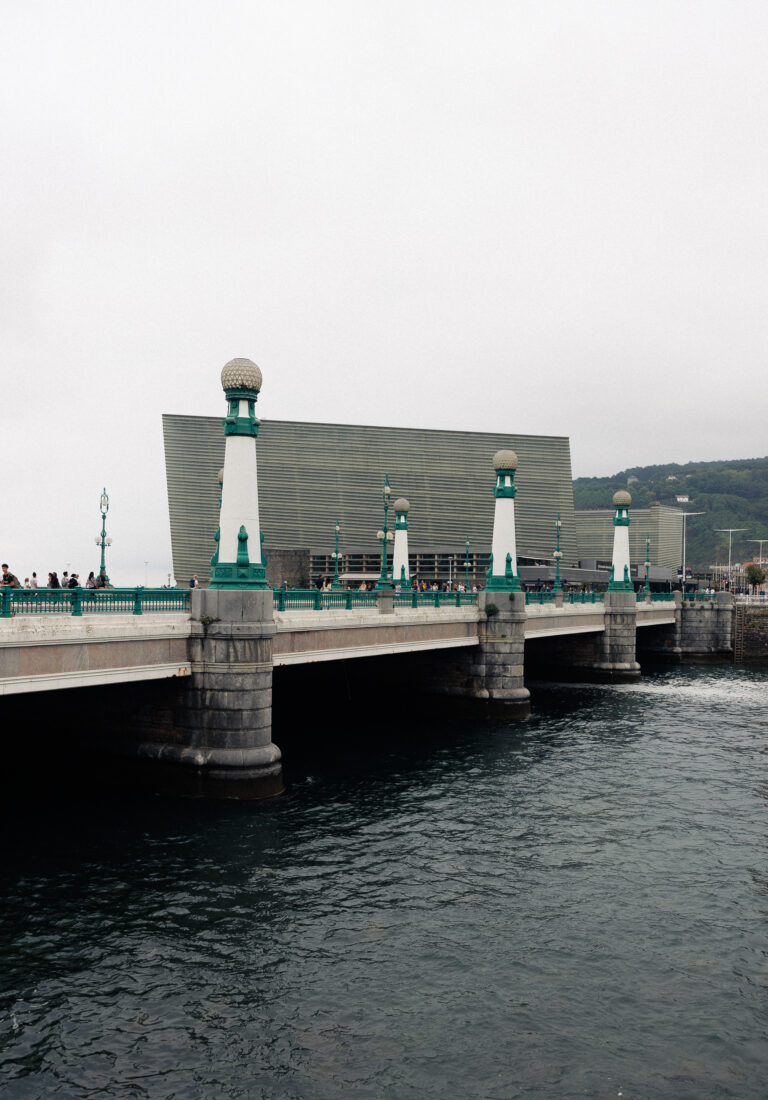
(311,475)
(595,536)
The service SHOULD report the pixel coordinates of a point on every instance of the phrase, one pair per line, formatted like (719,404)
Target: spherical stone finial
(622,499)
(241,374)
(401,505)
(505,460)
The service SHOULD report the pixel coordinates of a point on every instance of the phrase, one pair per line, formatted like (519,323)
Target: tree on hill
(729,493)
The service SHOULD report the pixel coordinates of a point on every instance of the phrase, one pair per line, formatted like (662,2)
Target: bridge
(54,640)
(217,652)
(212,652)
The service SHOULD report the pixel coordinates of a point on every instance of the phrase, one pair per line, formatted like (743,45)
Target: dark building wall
(310,475)
(291,566)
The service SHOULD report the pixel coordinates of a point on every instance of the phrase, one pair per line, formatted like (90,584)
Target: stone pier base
(702,634)
(219,742)
(616,660)
(489,676)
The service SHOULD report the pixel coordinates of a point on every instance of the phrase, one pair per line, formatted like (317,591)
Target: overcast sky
(534,217)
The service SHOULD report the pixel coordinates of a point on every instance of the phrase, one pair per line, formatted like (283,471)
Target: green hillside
(731,494)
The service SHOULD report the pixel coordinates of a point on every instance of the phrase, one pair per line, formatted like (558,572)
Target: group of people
(73,580)
(10,580)
(414,586)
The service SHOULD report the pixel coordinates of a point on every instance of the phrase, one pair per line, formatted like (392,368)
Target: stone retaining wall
(755,649)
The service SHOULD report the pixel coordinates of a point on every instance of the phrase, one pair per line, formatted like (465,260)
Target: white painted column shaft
(239,498)
(620,552)
(400,554)
(504,541)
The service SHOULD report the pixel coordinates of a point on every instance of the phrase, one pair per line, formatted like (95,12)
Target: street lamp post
(558,555)
(385,535)
(466,564)
(647,567)
(685,521)
(336,582)
(730,531)
(102,540)
(760,552)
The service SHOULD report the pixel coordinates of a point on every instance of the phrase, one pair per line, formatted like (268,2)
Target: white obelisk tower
(502,572)
(238,561)
(620,579)
(400,572)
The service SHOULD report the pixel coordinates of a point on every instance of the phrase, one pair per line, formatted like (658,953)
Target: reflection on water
(573,906)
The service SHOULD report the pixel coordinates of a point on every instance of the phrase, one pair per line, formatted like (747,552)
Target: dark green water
(573,906)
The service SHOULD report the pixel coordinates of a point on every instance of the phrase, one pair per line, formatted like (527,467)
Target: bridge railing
(88,601)
(435,599)
(533,597)
(657,597)
(315,599)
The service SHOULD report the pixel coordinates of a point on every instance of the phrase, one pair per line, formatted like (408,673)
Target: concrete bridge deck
(56,651)
(52,652)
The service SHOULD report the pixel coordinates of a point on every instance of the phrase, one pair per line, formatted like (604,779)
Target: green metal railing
(699,597)
(539,597)
(314,599)
(657,597)
(88,601)
(435,599)
(533,597)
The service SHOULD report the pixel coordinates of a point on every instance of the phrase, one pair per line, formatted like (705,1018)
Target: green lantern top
(505,464)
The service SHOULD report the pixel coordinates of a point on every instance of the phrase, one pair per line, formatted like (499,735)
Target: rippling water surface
(576,905)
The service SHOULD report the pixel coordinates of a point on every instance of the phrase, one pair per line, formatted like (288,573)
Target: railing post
(5,603)
(76,608)
(348,601)
(316,602)
(137,602)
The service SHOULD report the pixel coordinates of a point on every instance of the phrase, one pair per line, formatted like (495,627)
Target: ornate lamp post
(728,531)
(385,535)
(466,565)
(682,570)
(336,583)
(102,540)
(558,555)
(647,567)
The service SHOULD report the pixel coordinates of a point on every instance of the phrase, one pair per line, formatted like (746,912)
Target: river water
(576,905)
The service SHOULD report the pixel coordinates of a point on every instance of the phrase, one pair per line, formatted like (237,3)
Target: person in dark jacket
(9,580)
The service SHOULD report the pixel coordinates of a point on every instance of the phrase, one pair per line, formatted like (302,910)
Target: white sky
(535,217)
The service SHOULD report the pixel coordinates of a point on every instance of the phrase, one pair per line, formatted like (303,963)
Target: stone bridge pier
(219,741)
(702,633)
(490,675)
(617,661)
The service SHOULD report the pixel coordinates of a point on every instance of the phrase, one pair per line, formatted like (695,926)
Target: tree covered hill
(731,494)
